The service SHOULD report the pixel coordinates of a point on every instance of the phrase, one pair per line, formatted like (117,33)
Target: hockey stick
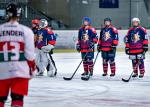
(53,62)
(70,78)
(87,78)
(54,65)
(127,80)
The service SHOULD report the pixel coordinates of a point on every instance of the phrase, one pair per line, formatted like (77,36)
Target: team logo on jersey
(106,36)
(86,31)
(40,37)
(85,37)
(136,37)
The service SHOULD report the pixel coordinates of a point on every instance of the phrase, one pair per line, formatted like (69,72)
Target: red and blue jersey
(45,37)
(108,38)
(35,30)
(86,46)
(136,38)
(92,38)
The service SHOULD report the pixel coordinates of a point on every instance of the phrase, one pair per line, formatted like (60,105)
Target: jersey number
(14,51)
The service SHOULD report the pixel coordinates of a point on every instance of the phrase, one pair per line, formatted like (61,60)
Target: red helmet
(35,21)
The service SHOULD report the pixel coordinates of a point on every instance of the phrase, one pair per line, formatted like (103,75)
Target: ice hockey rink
(97,92)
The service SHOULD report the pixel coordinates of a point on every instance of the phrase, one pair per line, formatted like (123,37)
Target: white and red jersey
(16,47)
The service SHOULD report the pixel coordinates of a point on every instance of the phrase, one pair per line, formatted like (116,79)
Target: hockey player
(108,42)
(137,46)
(35,27)
(87,37)
(44,45)
(16,57)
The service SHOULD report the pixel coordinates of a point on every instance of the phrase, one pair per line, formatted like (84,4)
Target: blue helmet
(87,19)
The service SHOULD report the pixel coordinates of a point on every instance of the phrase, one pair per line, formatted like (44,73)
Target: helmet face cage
(43,23)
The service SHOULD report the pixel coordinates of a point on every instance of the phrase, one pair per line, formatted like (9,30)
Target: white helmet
(136,20)
(43,23)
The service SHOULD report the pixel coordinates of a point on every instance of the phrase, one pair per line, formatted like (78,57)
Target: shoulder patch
(49,31)
(144,29)
(129,30)
(93,30)
(115,29)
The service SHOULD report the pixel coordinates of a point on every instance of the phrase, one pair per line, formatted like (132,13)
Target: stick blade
(55,73)
(124,80)
(65,78)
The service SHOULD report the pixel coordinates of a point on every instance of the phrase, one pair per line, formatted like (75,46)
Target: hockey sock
(141,66)
(135,66)
(105,66)
(17,100)
(85,65)
(90,63)
(113,67)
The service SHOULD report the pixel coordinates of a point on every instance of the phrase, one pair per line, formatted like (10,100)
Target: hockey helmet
(13,10)
(135,19)
(35,21)
(43,23)
(87,19)
(107,19)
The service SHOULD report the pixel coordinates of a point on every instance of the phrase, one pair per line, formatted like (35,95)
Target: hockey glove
(127,51)
(113,47)
(145,48)
(32,66)
(78,47)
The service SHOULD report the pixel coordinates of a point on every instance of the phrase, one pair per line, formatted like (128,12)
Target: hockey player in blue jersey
(35,28)
(87,37)
(136,46)
(108,42)
(35,25)
(45,44)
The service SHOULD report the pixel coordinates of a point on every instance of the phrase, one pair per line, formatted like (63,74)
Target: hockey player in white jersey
(44,45)
(16,58)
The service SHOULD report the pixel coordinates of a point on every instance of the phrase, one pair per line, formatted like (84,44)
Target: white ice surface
(97,92)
